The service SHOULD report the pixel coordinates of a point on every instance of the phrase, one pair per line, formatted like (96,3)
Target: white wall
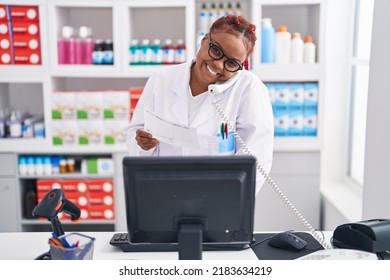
(376,190)
(337,55)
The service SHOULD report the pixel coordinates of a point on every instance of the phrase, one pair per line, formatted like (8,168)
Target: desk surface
(29,245)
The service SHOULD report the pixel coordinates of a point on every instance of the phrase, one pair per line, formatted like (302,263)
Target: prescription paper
(170,132)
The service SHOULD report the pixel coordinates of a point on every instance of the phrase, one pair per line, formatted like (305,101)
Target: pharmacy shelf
(121,21)
(66,176)
(289,72)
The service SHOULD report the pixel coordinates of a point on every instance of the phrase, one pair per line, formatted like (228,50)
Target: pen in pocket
(223,131)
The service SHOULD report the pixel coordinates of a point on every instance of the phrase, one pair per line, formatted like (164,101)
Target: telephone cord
(271,182)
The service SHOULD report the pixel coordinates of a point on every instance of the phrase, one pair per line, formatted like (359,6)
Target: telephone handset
(218,88)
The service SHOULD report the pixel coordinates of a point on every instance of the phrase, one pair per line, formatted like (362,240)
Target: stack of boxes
(19,35)
(295,108)
(135,94)
(95,198)
(89,117)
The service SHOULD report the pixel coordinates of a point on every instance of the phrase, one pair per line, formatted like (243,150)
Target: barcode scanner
(53,203)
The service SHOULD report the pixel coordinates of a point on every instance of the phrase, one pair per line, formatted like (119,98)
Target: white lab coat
(246,104)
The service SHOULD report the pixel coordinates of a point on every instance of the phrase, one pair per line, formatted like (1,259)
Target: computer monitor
(196,203)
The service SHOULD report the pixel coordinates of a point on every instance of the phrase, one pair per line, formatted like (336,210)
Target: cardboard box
(64,132)
(24,13)
(90,132)
(89,105)
(115,105)
(63,105)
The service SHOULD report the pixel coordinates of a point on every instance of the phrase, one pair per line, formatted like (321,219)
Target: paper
(169,132)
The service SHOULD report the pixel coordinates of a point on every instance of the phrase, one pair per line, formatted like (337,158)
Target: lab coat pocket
(226,145)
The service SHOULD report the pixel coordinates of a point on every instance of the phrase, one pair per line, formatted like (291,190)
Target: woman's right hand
(145,140)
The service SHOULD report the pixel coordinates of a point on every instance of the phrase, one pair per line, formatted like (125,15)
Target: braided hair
(237,24)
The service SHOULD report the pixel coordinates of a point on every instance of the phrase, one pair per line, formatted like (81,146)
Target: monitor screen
(201,199)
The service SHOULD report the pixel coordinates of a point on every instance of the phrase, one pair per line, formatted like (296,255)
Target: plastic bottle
(64,45)
(212,15)
(47,167)
(267,41)
(38,166)
(14,125)
(30,165)
(108,57)
(157,53)
(135,52)
(309,51)
(146,52)
(168,52)
(22,165)
(296,48)
(84,46)
(203,20)
(237,9)
(282,45)
(98,52)
(220,10)
(180,51)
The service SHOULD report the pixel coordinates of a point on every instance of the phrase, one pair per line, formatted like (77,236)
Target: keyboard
(121,240)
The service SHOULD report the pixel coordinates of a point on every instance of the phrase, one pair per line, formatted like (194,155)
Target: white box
(64,132)
(90,132)
(89,105)
(114,131)
(116,105)
(63,105)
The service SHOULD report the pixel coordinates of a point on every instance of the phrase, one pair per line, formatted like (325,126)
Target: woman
(213,94)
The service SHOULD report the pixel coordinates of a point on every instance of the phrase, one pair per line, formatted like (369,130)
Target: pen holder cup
(80,248)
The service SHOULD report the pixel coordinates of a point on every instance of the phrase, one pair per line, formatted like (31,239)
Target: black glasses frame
(212,45)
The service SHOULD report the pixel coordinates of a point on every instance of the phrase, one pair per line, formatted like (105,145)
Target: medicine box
(310,122)
(90,132)
(311,95)
(295,118)
(64,132)
(116,105)
(296,96)
(281,120)
(89,105)
(63,105)
(282,95)
(114,131)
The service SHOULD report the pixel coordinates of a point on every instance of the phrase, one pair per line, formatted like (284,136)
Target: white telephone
(218,88)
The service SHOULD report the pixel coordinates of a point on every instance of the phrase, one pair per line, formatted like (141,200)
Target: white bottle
(203,20)
(296,49)
(282,45)
(309,51)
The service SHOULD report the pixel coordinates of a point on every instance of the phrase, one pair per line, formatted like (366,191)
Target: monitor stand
(190,241)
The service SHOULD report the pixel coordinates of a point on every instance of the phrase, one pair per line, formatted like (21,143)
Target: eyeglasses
(216,53)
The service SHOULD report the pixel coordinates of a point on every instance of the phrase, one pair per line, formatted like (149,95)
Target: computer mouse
(287,240)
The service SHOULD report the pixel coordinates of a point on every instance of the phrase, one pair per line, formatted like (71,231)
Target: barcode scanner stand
(53,203)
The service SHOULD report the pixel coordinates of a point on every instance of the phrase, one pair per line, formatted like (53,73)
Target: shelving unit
(122,20)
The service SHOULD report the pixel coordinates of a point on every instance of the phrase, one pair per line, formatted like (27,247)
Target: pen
(226,130)
(223,131)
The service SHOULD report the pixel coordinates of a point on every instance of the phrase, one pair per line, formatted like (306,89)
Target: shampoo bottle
(309,50)
(267,42)
(282,45)
(296,49)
